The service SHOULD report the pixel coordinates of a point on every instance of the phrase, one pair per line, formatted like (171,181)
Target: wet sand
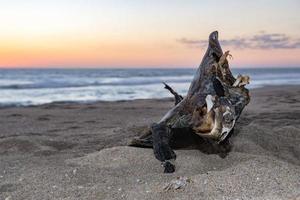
(72,151)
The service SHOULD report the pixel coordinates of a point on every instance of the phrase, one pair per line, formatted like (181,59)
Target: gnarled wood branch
(210,109)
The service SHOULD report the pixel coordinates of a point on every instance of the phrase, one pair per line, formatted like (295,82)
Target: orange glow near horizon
(83,53)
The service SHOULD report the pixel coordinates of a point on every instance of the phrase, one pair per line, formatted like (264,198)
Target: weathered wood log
(177,96)
(210,109)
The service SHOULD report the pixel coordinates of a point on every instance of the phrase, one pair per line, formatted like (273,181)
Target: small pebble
(177,183)
(8,198)
(74,171)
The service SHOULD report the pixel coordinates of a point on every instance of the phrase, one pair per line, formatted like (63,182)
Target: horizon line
(142,67)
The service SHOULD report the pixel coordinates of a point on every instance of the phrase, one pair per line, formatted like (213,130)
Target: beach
(79,151)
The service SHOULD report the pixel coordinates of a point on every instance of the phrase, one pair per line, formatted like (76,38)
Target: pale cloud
(259,41)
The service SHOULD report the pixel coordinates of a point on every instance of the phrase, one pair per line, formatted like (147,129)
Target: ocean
(23,87)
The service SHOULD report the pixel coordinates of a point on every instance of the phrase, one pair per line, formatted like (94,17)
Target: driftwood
(210,109)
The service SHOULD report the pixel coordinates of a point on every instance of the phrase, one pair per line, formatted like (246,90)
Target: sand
(72,151)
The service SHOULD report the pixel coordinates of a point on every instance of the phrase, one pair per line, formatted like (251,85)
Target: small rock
(120,189)
(74,171)
(8,198)
(178,183)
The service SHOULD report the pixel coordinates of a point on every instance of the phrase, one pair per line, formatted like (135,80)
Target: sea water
(22,87)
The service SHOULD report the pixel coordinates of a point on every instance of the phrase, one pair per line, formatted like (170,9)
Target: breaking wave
(22,87)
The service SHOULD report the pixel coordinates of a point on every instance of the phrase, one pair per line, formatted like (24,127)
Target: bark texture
(210,109)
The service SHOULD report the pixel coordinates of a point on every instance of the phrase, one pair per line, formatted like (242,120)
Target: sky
(147,33)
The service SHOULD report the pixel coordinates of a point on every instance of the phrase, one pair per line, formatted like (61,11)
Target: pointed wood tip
(214,45)
(214,35)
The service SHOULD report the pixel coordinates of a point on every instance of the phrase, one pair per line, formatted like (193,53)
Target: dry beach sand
(71,151)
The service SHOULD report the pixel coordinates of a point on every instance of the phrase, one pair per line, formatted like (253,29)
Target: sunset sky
(147,33)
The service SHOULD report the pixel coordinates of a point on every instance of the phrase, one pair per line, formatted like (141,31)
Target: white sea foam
(34,87)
